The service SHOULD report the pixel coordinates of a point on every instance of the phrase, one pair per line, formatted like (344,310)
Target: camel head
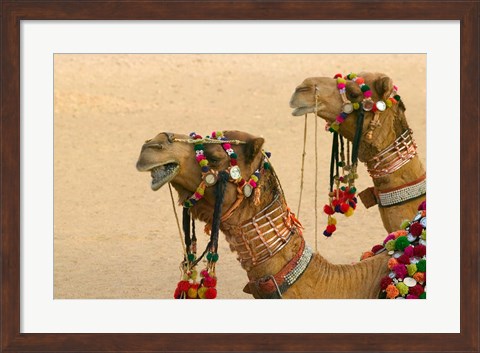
(170,160)
(324,92)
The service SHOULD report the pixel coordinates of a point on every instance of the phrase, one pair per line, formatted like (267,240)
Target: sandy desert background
(116,238)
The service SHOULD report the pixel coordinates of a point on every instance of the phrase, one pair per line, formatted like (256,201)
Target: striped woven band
(404,194)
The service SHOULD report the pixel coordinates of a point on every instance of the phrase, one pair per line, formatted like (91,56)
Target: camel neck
(266,241)
(409,173)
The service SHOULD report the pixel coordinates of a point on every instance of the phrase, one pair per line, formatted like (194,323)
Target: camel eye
(157,146)
(303,89)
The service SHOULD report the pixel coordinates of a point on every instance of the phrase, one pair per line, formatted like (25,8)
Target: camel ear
(253,147)
(384,87)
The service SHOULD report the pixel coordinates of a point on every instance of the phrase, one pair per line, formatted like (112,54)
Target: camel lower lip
(163,174)
(302,110)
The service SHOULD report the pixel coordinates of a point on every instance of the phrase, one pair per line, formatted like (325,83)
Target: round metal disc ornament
(247,190)
(235,172)
(410,282)
(210,179)
(381,106)
(367,105)
(347,107)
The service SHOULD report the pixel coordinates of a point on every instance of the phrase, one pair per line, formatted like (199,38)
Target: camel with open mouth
(386,146)
(261,229)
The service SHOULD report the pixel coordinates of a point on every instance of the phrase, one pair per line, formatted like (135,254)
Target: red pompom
(204,273)
(337,76)
(331,228)
(177,293)
(344,207)
(211,293)
(209,282)
(416,290)
(420,250)
(416,229)
(183,286)
(404,259)
(328,210)
(377,248)
(385,282)
(233,161)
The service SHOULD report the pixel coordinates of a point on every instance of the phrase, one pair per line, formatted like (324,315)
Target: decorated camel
(255,217)
(385,143)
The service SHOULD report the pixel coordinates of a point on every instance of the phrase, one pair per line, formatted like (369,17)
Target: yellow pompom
(201,191)
(349,212)
(254,178)
(390,245)
(412,268)
(194,275)
(203,163)
(201,292)
(332,220)
(405,224)
(341,80)
(192,293)
(389,103)
(356,106)
(424,235)
(402,288)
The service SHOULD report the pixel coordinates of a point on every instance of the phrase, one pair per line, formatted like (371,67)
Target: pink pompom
(253,184)
(400,270)
(200,157)
(408,251)
(198,196)
(410,296)
(367,94)
(391,236)
(341,85)
(423,206)
(395,88)
(227,146)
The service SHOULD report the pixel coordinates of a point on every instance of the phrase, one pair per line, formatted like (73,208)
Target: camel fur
(174,162)
(393,124)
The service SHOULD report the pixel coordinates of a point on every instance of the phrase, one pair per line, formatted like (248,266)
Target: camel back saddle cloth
(273,286)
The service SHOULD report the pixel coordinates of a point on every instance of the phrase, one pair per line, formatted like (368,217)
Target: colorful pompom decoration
(407,278)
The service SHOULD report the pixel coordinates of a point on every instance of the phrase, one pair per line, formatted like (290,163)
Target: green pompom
(423,295)
(191,257)
(342,188)
(397,97)
(405,224)
(353,190)
(401,243)
(215,257)
(198,147)
(266,165)
(365,88)
(412,268)
(209,256)
(390,245)
(402,288)
(341,164)
(424,234)
(422,265)
(234,155)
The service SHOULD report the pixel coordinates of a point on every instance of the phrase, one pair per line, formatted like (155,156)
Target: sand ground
(116,238)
